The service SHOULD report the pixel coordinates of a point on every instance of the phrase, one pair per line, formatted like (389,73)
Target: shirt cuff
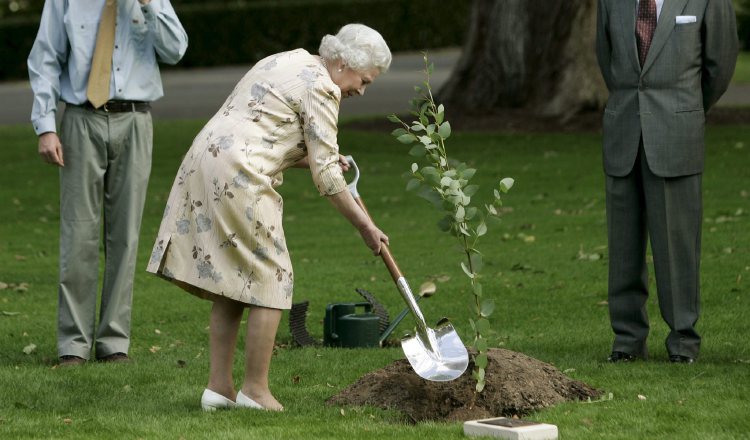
(331,180)
(44,124)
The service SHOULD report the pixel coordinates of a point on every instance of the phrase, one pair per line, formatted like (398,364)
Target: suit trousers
(669,211)
(102,187)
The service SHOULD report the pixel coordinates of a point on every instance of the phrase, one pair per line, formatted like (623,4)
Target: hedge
(246,33)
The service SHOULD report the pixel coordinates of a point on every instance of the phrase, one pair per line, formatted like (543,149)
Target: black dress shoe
(680,359)
(619,356)
(115,358)
(70,361)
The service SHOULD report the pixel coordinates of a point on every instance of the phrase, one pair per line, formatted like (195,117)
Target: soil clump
(516,385)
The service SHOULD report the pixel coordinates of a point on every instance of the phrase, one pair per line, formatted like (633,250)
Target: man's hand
(50,149)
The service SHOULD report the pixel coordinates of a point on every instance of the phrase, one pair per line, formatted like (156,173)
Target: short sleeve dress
(221,233)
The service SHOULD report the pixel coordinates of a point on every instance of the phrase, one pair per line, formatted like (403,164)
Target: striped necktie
(645,25)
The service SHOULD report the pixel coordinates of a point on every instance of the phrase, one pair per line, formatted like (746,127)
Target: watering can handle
(385,253)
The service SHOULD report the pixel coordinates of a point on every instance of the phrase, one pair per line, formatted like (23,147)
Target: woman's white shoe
(245,402)
(211,401)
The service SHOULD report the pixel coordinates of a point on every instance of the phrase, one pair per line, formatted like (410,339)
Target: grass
(742,71)
(549,290)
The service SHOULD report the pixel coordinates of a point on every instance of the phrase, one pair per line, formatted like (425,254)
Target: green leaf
(478,289)
(407,138)
(445,181)
(445,130)
(476,262)
(413,184)
(431,175)
(430,195)
(480,386)
(393,118)
(473,325)
(468,173)
(445,223)
(488,306)
(430,68)
(481,229)
(417,89)
(417,150)
(481,361)
(399,132)
(414,167)
(470,190)
(481,345)
(471,212)
(482,326)
(417,127)
(466,270)
(506,184)
(460,213)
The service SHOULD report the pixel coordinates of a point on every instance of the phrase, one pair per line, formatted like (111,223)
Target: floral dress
(221,233)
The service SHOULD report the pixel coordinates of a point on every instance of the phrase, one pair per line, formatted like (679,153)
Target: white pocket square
(682,19)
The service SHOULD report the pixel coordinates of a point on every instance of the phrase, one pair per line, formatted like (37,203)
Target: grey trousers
(669,211)
(103,184)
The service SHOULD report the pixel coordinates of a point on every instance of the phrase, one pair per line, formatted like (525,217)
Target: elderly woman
(221,237)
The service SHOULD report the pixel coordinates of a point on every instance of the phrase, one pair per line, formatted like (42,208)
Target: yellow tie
(101,65)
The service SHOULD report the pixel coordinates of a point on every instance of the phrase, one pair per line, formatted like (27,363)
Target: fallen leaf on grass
(641,397)
(29,348)
(20,258)
(4,313)
(127,389)
(68,421)
(427,288)
(3,285)
(603,303)
(157,331)
(443,278)
(154,348)
(342,411)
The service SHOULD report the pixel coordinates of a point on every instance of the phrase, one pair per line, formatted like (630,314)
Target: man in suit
(665,63)
(100,58)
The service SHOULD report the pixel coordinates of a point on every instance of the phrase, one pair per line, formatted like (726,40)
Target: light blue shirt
(60,60)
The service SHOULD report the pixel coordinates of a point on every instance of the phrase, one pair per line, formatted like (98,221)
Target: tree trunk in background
(535,55)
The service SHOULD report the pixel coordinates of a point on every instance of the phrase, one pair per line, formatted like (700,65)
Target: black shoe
(619,356)
(680,359)
(70,361)
(115,358)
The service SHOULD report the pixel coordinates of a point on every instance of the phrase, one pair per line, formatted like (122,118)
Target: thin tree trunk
(536,55)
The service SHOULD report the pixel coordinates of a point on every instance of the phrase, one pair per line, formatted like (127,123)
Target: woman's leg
(225,320)
(262,323)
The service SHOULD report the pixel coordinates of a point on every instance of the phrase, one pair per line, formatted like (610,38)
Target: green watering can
(344,327)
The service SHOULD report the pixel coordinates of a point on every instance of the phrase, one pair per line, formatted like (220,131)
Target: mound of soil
(516,384)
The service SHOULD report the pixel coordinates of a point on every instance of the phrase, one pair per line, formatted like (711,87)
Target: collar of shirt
(659,4)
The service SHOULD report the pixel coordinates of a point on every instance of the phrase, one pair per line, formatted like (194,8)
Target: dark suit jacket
(687,69)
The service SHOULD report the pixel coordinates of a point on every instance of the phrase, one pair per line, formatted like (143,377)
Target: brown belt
(118,106)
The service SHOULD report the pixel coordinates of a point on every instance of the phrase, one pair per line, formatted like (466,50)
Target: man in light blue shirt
(104,155)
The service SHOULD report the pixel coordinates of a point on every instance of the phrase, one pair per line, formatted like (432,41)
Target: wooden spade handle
(390,263)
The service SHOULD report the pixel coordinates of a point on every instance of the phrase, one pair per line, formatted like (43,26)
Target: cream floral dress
(221,232)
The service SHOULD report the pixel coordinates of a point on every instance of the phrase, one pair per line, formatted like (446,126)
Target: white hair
(358,46)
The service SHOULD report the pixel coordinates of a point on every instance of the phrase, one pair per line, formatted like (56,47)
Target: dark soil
(516,385)
(523,121)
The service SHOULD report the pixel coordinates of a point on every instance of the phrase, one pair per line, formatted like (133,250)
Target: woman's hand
(373,237)
(343,163)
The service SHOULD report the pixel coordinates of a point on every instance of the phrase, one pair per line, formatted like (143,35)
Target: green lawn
(742,71)
(549,291)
